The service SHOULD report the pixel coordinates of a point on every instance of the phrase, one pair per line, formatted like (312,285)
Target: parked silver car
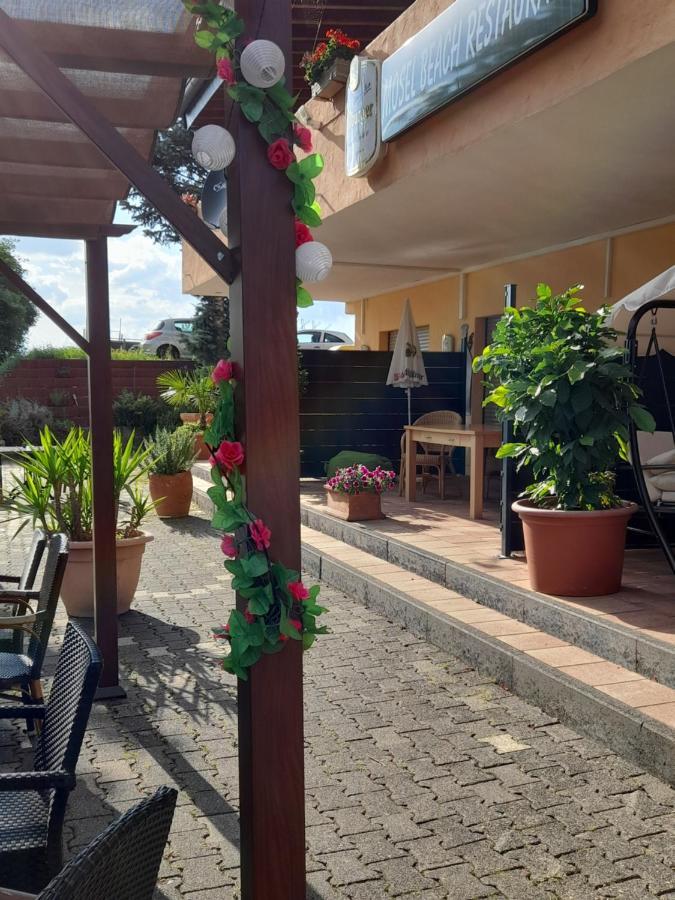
(169,339)
(317,339)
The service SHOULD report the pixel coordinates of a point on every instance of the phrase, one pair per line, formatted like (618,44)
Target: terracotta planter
(332,81)
(201,450)
(574,553)
(172,494)
(77,590)
(355,507)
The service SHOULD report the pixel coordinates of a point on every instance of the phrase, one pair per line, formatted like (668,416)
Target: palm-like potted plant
(355,493)
(556,371)
(170,457)
(195,395)
(55,493)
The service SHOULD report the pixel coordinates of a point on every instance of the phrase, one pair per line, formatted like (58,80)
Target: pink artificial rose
(303,138)
(302,233)
(224,371)
(260,534)
(280,154)
(228,546)
(298,591)
(230,454)
(225,71)
(250,618)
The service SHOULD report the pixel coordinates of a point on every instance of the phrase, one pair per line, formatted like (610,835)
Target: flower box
(332,81)
(355,507)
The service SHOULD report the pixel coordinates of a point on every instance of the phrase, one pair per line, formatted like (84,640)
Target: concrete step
(617,643)
(626,711)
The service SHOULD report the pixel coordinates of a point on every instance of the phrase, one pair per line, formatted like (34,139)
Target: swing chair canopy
(660,288)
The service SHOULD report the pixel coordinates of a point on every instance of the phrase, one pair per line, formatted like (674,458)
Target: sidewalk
(423,778)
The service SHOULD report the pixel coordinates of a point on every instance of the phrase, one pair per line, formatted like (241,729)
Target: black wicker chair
(33,612)
(123,862)
(23,582)
(33,804)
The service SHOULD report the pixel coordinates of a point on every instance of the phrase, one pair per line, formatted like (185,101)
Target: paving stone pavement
(424,779)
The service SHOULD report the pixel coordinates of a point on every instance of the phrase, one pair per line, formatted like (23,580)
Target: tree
(17,314)
(211,330)
(174,161)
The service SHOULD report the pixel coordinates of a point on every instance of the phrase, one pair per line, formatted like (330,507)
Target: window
(309,337)
(185,327)
(159,327)
(330,338)
(422,339)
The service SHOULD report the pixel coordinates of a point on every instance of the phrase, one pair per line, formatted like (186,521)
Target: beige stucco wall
(633,259)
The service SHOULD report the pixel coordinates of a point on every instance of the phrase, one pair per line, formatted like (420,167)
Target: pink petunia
(260,534)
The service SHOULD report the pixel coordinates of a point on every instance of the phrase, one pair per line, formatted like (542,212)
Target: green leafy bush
(21,421)
(555,370)
(171,452)
(143,414)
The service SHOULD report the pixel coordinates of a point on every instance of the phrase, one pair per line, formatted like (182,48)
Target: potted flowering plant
(556,371)
(355,493)
(327,67)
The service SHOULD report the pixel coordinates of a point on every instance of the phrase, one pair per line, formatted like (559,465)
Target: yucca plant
(171,452)
(189,392)
(55,492)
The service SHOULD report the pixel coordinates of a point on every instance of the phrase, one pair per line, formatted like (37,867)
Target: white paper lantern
(313,261)
(262,64)
(213,147)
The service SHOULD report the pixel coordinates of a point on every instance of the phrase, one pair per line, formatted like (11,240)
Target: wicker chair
(23,582)
(122,863)
(33,804)
(434,456)
(19,669)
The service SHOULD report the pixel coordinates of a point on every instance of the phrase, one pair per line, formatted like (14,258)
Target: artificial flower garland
(279,606)
(271,109)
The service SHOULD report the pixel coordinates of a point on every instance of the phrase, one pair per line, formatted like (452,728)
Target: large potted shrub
(355,493)
(194,394)
(55,494)
(170,458)
(556,371)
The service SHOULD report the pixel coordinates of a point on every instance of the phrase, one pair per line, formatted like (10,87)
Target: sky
(145,287)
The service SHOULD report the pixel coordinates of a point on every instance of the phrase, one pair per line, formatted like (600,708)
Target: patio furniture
(122,862)
(22,582)
(22,668)
(434,455)
(33,804)
(475,437)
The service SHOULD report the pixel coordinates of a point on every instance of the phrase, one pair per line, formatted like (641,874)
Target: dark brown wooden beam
(271,778)
(22,287)
(101,428)
(174,55)
(72,232)
(113,145)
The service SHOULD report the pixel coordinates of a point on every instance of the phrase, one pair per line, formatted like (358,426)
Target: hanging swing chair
(653,455)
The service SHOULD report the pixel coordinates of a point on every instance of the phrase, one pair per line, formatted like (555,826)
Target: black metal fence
(348,406)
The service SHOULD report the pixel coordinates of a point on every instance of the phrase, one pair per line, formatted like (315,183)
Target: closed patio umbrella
(407,365)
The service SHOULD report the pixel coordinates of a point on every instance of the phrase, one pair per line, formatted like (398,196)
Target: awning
(660,288)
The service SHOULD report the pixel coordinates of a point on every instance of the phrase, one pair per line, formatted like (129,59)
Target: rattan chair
(23,582)
(33,804)
(32,614)
(433,456)
(122,863)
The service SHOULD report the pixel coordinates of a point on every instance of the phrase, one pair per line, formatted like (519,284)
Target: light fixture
(213,147)
(313,261)
(262,64)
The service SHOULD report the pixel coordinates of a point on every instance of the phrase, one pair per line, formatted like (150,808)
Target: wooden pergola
(84,85)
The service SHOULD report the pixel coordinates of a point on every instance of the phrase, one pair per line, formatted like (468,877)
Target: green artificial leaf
(644,420)
(310,215)
(204,39)
(303,297)
(230,518)
(259,604)
(282,98)
(255,566)
(311,166)
(252,109)
(307,640)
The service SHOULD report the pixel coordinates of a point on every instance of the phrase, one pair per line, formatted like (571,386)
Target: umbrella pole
(409,415)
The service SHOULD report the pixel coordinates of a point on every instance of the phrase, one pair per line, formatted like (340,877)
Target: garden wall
(62,384)
(348,406)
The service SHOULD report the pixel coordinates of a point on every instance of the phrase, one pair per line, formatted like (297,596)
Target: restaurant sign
(363,147)
(469,42)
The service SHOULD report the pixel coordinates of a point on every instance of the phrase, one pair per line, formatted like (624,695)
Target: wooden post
(263,321)
(101,424)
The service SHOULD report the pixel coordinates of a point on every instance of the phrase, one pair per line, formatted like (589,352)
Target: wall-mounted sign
(363,146)
(469,42)
(214,198)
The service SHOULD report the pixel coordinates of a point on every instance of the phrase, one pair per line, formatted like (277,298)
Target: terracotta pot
(355,507)
(574,553)
(201,451)
(172,494)
(77,590)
